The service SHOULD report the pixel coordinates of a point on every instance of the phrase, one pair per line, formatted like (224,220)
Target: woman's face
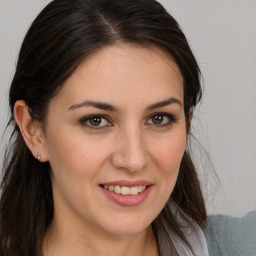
(115,137)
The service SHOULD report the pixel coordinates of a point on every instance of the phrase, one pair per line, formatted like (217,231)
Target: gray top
(231,236)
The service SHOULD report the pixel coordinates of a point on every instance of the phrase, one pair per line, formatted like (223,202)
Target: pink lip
(127,200)
(128,183)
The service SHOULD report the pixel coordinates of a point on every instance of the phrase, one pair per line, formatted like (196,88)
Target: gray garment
(231,236)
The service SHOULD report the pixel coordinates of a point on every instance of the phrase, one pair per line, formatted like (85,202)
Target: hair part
(64,34)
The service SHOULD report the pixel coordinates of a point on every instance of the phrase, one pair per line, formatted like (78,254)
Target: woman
(102,101)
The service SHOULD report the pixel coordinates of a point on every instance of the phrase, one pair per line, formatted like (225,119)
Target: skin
(127,144)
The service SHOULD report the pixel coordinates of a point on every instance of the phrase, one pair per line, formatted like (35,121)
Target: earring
(38,157)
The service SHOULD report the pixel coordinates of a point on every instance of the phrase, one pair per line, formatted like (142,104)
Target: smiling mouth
(123,190)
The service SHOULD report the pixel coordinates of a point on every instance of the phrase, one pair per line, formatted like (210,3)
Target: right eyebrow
(165,103)
(95,104)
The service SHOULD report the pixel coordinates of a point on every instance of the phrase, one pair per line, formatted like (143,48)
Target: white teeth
(141,188)
(134,190)
(126,190)
(117,190)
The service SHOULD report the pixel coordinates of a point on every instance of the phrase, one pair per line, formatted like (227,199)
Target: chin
(129,225)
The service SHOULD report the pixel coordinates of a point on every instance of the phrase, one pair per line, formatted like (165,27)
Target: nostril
(130,157)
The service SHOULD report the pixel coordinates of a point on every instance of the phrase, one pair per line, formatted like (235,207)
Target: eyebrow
(164,103)
(95,104)
(108,107)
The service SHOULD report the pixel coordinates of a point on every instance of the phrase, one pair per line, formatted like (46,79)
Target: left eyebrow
(164,103)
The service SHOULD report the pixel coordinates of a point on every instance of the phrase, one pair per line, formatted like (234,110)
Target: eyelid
(170,116)
(87,118)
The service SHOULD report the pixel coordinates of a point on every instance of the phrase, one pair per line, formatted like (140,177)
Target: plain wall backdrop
(222,35)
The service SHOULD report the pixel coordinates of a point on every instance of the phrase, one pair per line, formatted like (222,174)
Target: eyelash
(85,121)
(171,119)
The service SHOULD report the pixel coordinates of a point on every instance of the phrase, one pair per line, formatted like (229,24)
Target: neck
(62,240)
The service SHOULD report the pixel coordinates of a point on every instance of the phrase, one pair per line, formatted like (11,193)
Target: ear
(31,130)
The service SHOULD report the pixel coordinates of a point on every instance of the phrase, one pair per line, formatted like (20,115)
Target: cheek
(75,157)
(168,154)
(75,165)
(169,151)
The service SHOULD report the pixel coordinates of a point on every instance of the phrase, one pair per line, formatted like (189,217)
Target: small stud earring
(38,157)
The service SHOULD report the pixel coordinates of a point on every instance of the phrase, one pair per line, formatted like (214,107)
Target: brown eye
(95,121)
(161,119)
(157,119)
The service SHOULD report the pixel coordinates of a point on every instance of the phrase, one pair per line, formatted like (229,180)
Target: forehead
(125,73)
(146,57)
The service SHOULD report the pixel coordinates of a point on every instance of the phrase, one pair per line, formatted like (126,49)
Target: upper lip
(127,183)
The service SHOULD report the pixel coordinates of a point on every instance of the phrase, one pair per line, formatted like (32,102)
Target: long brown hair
(64,34)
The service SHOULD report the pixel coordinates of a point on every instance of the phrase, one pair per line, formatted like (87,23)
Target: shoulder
(226,235)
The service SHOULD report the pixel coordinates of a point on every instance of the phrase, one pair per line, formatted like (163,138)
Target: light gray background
(222,34)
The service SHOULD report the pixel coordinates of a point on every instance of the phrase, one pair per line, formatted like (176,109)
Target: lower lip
(127,200)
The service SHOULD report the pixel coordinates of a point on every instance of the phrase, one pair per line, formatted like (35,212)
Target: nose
(130,151)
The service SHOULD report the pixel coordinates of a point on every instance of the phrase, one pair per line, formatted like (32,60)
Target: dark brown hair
(64,34)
